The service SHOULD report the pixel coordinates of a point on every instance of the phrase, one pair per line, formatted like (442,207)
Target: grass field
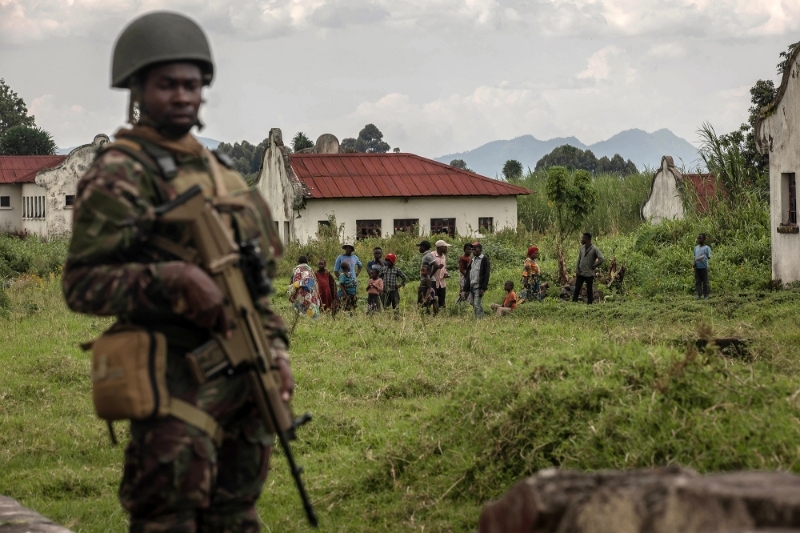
(420,420)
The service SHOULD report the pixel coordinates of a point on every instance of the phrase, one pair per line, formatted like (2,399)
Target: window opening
(443,226)
(368,228)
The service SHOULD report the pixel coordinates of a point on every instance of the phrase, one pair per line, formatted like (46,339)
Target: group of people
(312,292)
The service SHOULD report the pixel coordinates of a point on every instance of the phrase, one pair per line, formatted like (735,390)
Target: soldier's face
(172,95)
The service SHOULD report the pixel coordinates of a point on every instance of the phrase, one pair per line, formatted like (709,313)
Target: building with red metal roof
(36,192)
(379,194)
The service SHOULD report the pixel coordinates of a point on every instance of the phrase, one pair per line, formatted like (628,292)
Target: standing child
(374,290)
(426,294)
(702,253)
(531,274)
(347,289)
(393,280)
(509,302)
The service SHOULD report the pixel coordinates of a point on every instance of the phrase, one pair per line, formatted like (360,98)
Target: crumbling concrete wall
(778,135)
(282,190)
(665,201)
(667,500)
(61,182)
(15,518)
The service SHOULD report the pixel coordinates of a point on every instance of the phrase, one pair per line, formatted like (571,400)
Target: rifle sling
(196,417)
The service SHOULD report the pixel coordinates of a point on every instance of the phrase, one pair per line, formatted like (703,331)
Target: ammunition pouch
(129,380)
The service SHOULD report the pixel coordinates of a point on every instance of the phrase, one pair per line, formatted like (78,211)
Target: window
(5,202)
(486,224)
(287,232)
(443,226)
(277,228)
(69,200)
(323,225)
(789,199)
(407,225)
(368,228)
(33,207)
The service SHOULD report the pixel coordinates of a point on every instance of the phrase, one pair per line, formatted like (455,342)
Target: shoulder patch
(223,158)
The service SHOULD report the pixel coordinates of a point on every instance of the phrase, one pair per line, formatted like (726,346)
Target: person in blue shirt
(702,253)
(350,258)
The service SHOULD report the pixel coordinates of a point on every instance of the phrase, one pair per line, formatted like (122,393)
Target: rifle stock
(248,348)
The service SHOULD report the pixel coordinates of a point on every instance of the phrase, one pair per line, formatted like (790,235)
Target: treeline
(576,159)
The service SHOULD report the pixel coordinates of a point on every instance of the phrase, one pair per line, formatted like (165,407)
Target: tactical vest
(129,380)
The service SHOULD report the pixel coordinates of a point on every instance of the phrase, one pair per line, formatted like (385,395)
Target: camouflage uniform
(175,478)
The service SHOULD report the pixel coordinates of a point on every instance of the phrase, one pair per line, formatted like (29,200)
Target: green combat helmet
(157,38)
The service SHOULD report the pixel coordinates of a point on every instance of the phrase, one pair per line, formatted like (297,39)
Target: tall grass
(619,201)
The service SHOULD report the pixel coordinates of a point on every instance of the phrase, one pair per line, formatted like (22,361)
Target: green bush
(31,255)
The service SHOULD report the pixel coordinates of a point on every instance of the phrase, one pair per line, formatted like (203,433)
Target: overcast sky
(436,76)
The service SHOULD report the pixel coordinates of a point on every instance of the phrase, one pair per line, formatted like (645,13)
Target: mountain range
(643,148)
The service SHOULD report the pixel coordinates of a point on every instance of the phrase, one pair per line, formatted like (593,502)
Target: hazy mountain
(644,149)
(211,144)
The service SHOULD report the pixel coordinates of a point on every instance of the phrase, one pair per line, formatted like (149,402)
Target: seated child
(393,279)
(426,294)
(374,289)
(509,302)
(348,289)
(531,273)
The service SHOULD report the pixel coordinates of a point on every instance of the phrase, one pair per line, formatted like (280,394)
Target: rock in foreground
(15,518)
(668,500)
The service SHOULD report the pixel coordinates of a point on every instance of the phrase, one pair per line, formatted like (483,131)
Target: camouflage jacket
(111,268)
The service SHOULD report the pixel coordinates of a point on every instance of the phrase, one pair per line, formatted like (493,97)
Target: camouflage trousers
(176,480)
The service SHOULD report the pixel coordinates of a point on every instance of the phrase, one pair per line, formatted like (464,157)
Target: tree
(743,139)
(574,197)
(576,159)
(370,141)
(26,140)
(460,163)
(246,157)
(348,146)
(512,169)
(300,142)
(13,111)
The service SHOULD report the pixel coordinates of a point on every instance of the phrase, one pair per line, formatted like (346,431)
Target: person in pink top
(374,290)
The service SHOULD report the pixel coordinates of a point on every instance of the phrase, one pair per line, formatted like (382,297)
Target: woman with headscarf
(304,291)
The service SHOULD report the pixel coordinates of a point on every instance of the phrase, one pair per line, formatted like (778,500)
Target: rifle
(239,271)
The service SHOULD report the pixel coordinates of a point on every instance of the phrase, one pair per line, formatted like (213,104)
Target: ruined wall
(778,135)
(62,181)
(280,187)
(664,202)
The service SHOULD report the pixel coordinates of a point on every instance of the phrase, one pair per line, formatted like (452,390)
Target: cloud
(26,20)
(341,13)
(597,65)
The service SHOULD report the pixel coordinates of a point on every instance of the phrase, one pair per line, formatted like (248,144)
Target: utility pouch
(129,381)
(129,366)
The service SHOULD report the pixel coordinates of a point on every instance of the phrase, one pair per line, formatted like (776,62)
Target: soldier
(177,476)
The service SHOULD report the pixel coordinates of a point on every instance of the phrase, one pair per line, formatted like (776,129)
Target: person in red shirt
(509,302)
(327,286)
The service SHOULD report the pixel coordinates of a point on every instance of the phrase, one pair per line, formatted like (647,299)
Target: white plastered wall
(34,209)
(780,134)
(11,217)
(61,181)
(465,209)
(664,202)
